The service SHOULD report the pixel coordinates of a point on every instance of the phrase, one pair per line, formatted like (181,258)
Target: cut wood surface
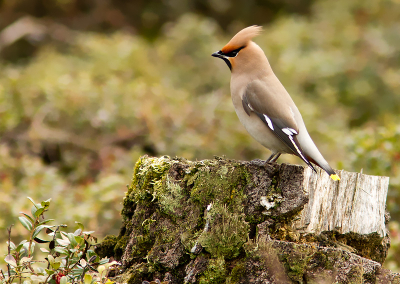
(354,204)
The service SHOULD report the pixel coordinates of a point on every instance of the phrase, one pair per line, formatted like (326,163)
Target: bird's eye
(233,53)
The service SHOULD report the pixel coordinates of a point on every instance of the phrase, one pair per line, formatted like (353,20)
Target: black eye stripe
(233,53)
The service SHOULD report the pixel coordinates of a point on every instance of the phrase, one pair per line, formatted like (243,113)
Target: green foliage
(76,117)
(69,259)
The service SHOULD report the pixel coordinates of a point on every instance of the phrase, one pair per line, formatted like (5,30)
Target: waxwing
(263,105)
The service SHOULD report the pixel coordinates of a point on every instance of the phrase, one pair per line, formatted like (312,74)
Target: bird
(263,105)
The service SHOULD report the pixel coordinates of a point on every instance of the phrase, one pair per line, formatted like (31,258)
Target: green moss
(148,178)
(120,246)
(208,185)
(215,272)
(296,262)
(228,233)
(355,275)
(106,247)
(137,273)
(143,244)
(238,272)
(171,197)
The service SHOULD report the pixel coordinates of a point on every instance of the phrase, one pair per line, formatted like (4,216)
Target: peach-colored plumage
(262,103)
(242,38)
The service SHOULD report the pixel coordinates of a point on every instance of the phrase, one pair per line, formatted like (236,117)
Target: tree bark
(227,221)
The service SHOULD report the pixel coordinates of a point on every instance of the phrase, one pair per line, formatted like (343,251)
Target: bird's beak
(221,55)
(218,54)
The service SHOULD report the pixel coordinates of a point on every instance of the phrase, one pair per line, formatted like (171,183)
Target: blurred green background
(87,86)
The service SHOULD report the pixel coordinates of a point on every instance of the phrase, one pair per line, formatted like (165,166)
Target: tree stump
(227,221)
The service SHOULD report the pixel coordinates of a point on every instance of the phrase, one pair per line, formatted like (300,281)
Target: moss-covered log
(226,221)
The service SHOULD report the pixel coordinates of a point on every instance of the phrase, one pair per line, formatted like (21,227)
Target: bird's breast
(256,128)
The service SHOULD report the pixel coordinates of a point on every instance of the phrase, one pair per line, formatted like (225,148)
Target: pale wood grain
(355,204)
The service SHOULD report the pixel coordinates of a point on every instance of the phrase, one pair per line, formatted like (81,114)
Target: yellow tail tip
(335,177)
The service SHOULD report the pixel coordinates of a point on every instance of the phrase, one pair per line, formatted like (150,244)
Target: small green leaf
(46,203)
(26,246)
(46,221)
(92,240)
(39,212)
(87,279)
(101,269)
(21,245)
(92,258)
(18,248)
(82,262)
(40,241)
(11,260)
(26,223)
(33,210)
(27,216)
(38,269)
(77,232)
(60,250)
(38,278)
(12,245)
(108,265)
(63,242)
(72,240)
(49,272)
(50,259)
(63,280)
(50,231)
(79,240)
(104,261)
(26,259)
(56,265)
(33,202)
(37,231)
(80,225)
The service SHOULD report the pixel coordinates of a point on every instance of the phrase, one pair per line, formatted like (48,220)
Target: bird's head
(240,47)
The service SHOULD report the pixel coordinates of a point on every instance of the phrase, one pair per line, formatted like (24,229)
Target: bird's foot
(273,158)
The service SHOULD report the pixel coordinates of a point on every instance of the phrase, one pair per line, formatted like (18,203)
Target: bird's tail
(325,166)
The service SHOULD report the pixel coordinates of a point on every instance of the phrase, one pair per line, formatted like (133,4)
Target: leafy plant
(69,259)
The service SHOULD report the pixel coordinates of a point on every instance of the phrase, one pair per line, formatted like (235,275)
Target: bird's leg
(272,157)
(275,158)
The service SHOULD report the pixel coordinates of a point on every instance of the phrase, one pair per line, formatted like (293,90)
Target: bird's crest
(242,38)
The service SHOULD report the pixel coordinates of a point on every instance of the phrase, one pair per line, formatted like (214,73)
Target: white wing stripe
(270,125)
(289,131)
(297,148)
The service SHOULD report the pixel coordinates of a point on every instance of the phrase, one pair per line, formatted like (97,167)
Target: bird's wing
(277,115)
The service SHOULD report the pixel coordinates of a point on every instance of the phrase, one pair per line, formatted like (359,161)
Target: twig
(87,245)
(9,252)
